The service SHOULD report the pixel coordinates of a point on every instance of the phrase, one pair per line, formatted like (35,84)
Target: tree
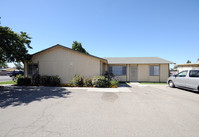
(188,61)
(13,46)
(3,65)
(18,65)
(175,67)
(78,47)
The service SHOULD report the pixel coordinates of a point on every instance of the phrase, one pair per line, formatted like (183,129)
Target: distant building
(188,66)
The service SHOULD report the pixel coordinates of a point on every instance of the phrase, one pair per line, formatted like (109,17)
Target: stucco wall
(164,72)
(143,73)
(67,64)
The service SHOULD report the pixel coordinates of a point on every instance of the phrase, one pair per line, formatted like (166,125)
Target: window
(182,74)
(154,70)
(32,69)
(117,70)
(194,73)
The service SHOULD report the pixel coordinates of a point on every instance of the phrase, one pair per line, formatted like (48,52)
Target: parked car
(186,79)
(15,73)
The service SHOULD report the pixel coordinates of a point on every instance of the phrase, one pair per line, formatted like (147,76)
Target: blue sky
(110,28)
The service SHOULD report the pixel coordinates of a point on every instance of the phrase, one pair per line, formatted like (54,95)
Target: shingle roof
(58,45)
(137,60)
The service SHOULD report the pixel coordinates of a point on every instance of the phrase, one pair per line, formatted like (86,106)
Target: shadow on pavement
(188,90)
(123,85)
(15,96)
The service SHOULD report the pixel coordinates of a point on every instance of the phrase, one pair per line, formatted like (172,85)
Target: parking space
(143,110)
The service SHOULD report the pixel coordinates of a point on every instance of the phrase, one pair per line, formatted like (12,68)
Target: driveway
(137,111)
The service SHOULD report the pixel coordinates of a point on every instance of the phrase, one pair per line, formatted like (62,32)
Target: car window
(182,74)
(194,73)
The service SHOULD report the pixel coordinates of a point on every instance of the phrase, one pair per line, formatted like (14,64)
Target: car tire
(171,84)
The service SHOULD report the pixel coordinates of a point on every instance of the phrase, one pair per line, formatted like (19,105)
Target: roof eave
(58,45)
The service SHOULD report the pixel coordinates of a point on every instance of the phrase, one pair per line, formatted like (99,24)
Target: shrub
(45,80)
(21,81)
(54,80)
(77,81)
(88,82)
(36,80)
(49,80)
(100,81)
(107,75)
(114,83)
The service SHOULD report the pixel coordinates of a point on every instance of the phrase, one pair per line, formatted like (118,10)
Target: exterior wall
(182,68)
(66,64)
(143,73)
(164,72)
(127,72)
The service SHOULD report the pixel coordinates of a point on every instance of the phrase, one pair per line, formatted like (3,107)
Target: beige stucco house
(65,62)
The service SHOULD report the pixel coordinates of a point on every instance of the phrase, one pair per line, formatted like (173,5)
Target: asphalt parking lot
(137,111)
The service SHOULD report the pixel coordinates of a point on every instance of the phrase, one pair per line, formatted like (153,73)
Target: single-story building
(65,62)
(188,66)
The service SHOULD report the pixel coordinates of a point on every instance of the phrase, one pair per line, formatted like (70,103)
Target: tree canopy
(18,65)
(78,47)
(188,61)
(13,45)
(3,64)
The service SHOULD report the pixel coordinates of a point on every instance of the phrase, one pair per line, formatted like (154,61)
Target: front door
(133,73)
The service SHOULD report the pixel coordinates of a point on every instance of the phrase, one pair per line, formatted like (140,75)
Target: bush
(107,75)
(88,82)
(45,80)
(21,81)
(77,81)
(54,80)
(36,80)
(100,81)
(114,83)
(49,80)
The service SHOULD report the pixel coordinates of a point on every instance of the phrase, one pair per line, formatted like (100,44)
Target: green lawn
(153,83)
(8,82)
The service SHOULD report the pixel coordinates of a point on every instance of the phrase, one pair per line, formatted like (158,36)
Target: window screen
(117,70)
(154,70)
